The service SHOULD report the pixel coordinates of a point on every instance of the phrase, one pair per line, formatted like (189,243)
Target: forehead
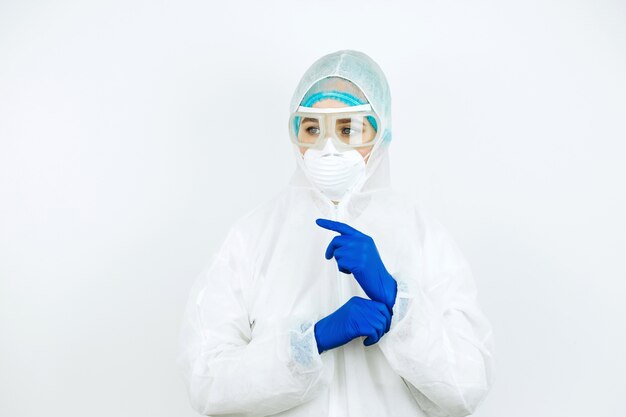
(324,104)
(329,103)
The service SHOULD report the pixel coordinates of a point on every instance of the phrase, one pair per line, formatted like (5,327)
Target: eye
(313,130)
(350,131)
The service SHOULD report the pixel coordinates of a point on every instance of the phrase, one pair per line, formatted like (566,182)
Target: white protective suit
(247,341)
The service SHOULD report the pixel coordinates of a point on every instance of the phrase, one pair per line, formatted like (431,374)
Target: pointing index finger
(342,228)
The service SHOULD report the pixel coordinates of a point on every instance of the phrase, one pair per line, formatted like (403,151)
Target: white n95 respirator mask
(334,172)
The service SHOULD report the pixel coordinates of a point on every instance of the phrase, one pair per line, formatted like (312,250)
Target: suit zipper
(337,273)
(340,286)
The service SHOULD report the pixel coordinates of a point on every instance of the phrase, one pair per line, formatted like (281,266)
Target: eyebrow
(349,121)
(309,119)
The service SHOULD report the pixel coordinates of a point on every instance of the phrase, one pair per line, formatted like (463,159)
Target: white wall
(124,160)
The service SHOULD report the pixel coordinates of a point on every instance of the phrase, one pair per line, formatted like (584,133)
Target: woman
(337,297)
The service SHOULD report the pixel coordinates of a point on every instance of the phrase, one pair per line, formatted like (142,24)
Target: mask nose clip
(330,149)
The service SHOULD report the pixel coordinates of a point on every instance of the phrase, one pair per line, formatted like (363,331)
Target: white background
(133,134)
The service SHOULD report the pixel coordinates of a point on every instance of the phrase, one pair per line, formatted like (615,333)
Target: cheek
(364,151)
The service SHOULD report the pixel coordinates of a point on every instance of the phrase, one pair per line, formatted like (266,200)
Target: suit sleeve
(440,342)
(226,367)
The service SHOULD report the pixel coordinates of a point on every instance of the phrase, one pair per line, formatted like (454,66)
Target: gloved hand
(357,317)
(356,253)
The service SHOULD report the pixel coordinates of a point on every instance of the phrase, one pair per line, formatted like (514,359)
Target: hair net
(342,96)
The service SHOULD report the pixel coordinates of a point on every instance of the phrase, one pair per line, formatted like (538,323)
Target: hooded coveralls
(247,341)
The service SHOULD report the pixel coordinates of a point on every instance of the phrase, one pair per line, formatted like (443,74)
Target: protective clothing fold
(247,342)
(236,367)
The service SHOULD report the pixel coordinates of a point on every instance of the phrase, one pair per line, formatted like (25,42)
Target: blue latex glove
(356,253)
(357,317)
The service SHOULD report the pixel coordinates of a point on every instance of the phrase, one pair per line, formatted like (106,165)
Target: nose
(329,148)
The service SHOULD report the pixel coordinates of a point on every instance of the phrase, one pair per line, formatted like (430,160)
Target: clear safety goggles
(350,127)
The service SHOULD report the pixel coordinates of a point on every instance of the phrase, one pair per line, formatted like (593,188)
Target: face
(330,103)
